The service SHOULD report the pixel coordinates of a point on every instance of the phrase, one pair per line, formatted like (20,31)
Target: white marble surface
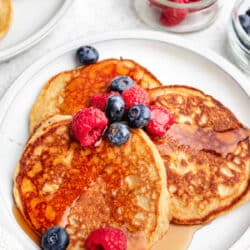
(86,17)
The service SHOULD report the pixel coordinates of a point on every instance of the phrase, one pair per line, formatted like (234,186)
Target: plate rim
(8,53)
(226,66)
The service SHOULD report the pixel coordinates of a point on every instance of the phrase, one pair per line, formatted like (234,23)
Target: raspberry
(106,239)
(133,96)
(173,16)
(160,121)
(88,125)
(99,101)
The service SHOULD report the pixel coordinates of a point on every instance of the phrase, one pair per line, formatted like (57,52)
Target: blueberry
(120,83)
(138,116)
(115,108)
(244,21)
(248,12)
(55,238)
(87,55)
(118,133)
(248,30)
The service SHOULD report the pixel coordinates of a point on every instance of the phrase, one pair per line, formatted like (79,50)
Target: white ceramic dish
(173,61)
(32,21)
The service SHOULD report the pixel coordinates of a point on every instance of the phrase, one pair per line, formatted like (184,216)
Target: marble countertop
(88,17)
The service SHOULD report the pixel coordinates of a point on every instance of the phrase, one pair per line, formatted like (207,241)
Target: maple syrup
(24,225)
(177,238)
(198,138)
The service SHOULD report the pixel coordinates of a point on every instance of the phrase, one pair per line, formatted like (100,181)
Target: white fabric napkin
(243,243)
(8,242)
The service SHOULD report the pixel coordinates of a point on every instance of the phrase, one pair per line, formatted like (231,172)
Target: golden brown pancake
(70,91)
(206,154)
(5,16)
(57,182)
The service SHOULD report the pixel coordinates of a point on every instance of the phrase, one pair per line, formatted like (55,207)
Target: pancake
(70,91)
(5,16)
(206,155)
(57,182)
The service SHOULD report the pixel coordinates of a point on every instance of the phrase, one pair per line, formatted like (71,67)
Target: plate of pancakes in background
(187,190)
(24,23)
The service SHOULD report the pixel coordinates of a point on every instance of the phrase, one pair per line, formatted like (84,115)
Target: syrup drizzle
(209,140)
(24,225)
(177,238)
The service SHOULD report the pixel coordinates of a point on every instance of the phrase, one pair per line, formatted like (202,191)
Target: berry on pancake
(138,116)
(88,125)
(115,108)
(133,96)
(118,133)
(100,100)
(160,121)
(121,83)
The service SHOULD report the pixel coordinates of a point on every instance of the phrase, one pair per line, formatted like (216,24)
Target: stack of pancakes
(198,171)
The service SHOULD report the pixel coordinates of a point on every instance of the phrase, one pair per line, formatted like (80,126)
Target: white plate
(173,61)
(32,21)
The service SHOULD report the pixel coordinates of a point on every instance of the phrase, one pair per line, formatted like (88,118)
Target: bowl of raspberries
(178,16)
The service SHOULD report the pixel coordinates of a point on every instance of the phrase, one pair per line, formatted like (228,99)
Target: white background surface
(87,17)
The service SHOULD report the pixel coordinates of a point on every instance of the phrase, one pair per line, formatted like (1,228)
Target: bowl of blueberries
(239,34)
